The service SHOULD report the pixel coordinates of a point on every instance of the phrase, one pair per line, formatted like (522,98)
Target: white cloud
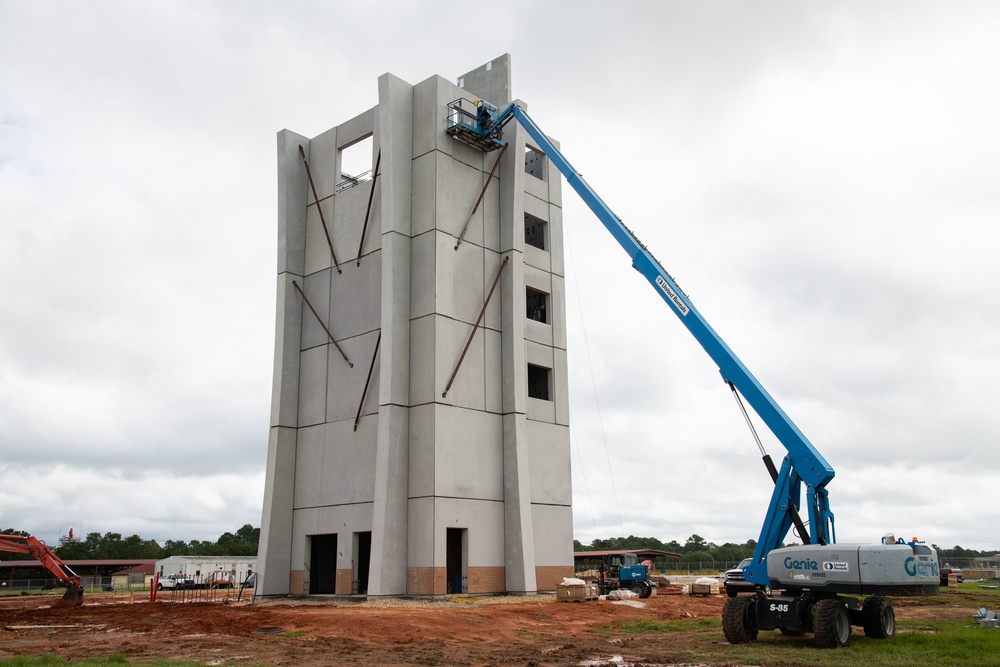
(820,179)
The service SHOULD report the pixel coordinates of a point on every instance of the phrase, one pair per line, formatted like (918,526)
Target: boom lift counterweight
(812,576)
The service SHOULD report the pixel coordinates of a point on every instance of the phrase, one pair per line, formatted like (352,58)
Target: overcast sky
(821,178)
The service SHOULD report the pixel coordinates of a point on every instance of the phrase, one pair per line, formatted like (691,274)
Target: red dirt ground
(535,631)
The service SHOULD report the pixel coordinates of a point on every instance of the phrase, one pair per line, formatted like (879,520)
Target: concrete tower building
(419,440)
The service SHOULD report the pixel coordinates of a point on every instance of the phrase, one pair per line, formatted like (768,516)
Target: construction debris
(986,618)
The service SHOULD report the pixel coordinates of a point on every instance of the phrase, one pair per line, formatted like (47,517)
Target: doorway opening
(323,564)
(455,565)
(362,561)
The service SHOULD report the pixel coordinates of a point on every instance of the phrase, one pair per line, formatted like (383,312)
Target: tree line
(110,546)
(696,550)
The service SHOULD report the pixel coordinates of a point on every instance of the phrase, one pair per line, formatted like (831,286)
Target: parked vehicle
(945,571)
(174,582)
(736,582)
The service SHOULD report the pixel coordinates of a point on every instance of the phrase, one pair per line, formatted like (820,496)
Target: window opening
(537,305)
(534,231)
(534,162)
(538,382)
(355,163)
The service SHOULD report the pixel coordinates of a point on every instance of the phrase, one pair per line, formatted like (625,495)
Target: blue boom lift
(797,589)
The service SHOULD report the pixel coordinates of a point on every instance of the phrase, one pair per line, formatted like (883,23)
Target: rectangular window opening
(537,305)
(539,381)
(534,231)
(355,163)
(534,162)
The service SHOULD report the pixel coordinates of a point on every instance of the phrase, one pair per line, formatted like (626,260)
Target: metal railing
(348,181)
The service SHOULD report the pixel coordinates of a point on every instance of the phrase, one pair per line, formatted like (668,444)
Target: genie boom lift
(814,587)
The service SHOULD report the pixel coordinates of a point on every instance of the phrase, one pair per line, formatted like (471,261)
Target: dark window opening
(538,382)
(537,303)
(534,162)
(534,231)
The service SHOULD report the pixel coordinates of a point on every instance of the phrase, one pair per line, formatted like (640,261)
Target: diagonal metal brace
(475,327)
(319,207)
(371,196)
(479,201)
(322,324)
(364,394)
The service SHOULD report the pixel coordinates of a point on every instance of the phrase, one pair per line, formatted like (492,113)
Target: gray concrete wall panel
(287,334)
(347,384)
(356,298)
(490,81)
(560,386)
(421,452)
(469,387)
(349,208)
(422,359)
(420,529)
(424,199)
(468,458)
(292,193)
(461,288)
(549,464)
(389,520)
(519,550)
(317,252)
(557,253)
(493,371)
(275,545)
(553,534)
(387,574)
(335,465)
(317,289)
(321,152)
(312,386)
(557,300)
(309,466)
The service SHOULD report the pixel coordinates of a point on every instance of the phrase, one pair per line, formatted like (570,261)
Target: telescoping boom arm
(803,464)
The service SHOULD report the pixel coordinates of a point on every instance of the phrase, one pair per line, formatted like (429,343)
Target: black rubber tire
(739,619)
(159,587)
(831,624)
(638,589)
(879,617)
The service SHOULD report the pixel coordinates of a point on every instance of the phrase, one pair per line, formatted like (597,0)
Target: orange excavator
(32,546)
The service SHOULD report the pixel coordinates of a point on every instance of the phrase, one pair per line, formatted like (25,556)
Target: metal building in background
(419,440)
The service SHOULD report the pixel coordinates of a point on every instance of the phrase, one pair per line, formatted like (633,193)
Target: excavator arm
(32,546)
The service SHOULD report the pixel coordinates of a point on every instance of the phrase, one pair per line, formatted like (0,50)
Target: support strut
(319,208)
(371,196)
(800,526)
(475,327)
(322,324)
(489,179)
(364,394)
